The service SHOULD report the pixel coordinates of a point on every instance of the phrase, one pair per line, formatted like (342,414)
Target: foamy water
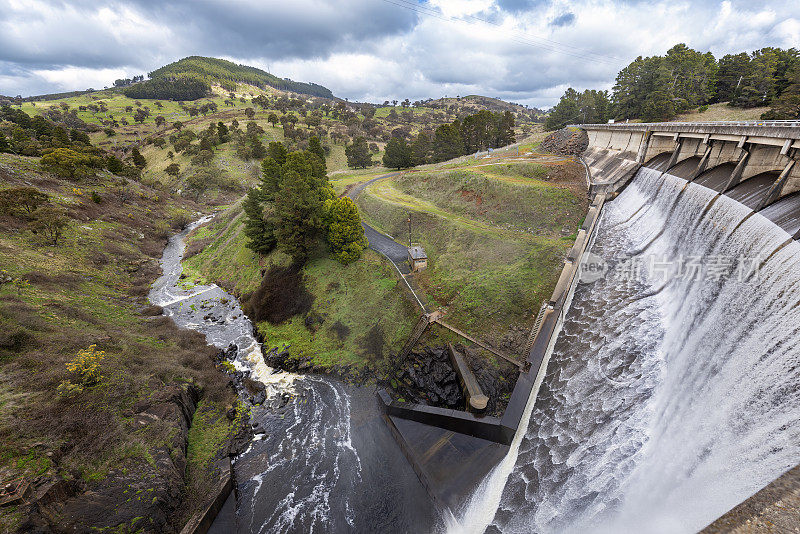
(668,398)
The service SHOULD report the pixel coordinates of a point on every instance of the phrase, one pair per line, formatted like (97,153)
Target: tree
(257,149)
(250,112)
(222,132)
(137,158)
(398,154)
(447,142)
(278,152)
(4,144)
(345,234)
(421,149)
(140,115)
(358,155)
(315,147)
(199,182)
(70,164)
(297,209)
(203,157)
(589,107)
(288,204)
(173,169)
(160,120)
(177,125)
(26,199)
(787,106)
(50,222)
(273,119)
(258,227)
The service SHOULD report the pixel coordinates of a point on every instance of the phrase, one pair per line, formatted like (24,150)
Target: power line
(538,42)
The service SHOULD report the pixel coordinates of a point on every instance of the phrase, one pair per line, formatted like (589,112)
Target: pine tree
(297,216)
(398,154)
(567,111)
(278,152)
(258,228)
(447,142)
(345,234)
(358,154)
(421,149)
(315,147)
(787,106)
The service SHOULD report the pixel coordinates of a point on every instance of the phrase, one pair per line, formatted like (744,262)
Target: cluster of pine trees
(295,206)
(473,133)
(660,87)
(180,87)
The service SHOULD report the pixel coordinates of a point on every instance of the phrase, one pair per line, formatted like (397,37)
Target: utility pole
(409,230)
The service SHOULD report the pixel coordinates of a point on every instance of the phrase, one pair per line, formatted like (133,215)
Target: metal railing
(769,124)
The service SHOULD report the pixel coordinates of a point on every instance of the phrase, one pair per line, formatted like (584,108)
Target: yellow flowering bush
(85,371)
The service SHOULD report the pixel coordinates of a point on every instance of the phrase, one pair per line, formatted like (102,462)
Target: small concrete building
(417,258)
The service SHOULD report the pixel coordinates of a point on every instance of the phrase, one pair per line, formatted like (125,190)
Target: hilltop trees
(181,87)
(660,87)
(587,107)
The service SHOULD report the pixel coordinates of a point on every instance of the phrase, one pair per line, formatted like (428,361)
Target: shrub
(70,164)
(50,221)
(180,219)
(84,370)
(96,198)
(26,199)
(344,231)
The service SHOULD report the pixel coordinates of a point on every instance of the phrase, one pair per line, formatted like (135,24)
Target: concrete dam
(670,388)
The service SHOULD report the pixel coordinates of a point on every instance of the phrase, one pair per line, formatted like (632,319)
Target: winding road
(380,242)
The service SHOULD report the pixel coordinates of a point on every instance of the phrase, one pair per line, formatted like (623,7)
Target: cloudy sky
(526,51)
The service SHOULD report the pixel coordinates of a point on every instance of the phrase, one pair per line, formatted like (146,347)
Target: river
(323,462)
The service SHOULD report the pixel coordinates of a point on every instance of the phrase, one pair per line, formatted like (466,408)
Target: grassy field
(495,235)
(722,112)
(365,315)
(91,289)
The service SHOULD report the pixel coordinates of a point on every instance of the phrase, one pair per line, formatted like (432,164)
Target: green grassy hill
(495,234)
(221,71)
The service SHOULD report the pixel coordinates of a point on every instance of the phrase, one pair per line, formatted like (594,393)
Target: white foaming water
(213,312)
(668,399)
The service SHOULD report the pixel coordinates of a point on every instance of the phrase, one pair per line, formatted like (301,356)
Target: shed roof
(417,253)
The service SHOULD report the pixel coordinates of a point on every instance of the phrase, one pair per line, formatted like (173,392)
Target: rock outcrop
(565,142)
(144,495)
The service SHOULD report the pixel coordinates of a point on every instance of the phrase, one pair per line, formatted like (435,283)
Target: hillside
(122,174)
(473,103)
(228,74)
(121,436)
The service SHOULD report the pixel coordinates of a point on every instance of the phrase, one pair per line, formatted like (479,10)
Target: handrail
(633,125)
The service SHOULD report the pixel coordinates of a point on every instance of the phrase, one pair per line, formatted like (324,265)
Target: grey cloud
(565,19)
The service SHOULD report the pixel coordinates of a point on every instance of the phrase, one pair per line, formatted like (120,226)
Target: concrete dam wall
(753,163)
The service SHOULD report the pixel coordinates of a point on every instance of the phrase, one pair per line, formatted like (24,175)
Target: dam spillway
(672,391)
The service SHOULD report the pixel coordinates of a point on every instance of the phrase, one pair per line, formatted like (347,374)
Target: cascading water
(322,462)
(672,391)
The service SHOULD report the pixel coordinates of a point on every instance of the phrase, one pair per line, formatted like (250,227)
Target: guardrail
(634,125)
